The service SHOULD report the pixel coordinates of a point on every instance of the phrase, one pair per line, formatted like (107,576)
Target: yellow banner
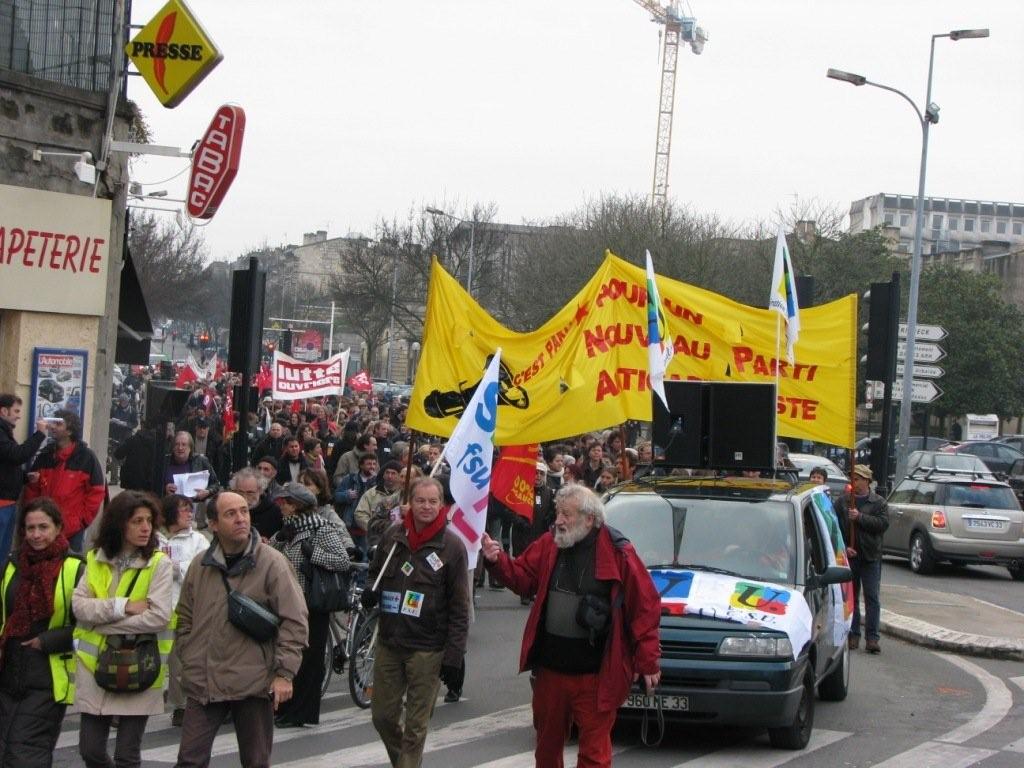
(586,368)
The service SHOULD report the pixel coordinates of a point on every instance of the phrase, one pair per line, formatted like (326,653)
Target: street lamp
(931,115)
(472,237)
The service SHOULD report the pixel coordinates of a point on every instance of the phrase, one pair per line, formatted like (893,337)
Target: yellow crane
(678,27)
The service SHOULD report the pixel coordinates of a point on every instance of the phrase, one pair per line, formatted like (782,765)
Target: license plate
(981,522)
(671,703)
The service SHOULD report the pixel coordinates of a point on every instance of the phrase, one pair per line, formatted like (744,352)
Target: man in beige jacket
(223,669)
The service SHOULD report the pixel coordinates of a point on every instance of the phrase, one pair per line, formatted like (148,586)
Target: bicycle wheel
(328,665)
(360,663)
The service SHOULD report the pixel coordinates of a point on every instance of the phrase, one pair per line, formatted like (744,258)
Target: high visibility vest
(88,643)
(62,665)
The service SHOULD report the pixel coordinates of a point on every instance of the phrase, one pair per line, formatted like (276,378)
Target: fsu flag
(513,478)
(361,381)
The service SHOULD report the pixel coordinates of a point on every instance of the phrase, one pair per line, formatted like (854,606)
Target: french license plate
(671,703)
(986,523)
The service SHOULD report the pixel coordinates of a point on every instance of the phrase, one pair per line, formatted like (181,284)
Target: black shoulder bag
(326,591)
(249,616)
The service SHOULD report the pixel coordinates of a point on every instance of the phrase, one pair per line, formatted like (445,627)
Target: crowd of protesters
(326,482)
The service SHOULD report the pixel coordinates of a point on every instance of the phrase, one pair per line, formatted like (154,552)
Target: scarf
(38,570)
(418,538)
(307,520)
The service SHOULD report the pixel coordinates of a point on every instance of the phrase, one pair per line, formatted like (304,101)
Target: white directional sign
(924,391)
(924,352)
(921,371)
(924,332)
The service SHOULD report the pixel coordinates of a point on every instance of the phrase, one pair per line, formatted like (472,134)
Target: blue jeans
(8,520)
(867,577)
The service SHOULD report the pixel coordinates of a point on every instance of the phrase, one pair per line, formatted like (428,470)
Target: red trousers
(560,700)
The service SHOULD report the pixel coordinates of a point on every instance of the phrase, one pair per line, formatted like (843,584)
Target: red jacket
(72,478)
(632,645)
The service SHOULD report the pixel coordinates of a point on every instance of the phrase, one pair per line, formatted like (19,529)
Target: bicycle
(360,668)
(342,633)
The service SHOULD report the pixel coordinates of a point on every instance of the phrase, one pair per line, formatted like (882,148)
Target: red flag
(296,406)
(185,376)
(229,415)
(514,478)
(361,381)
(264,379)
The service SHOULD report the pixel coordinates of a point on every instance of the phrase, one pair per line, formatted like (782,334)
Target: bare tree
(169,260)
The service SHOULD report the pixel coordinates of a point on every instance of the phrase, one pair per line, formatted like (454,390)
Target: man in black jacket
(863,523)
(12,473)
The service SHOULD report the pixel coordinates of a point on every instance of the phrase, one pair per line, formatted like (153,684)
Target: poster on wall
(58,382)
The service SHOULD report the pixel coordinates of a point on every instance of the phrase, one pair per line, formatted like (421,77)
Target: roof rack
(915,474)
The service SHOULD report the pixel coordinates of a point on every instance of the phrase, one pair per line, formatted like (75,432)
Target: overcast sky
(361,109)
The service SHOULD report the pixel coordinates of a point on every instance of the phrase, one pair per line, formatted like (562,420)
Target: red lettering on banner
(744,357)
(797,408)
(699,349)
(678,310)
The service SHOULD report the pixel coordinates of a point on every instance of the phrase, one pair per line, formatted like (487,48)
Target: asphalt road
(907,707)
(985,582)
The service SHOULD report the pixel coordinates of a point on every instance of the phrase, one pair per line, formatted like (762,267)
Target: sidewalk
(951,622)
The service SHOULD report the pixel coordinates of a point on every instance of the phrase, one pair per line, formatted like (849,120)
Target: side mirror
(834,574)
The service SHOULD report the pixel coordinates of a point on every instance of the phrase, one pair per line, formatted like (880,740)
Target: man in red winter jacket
(592,630)
(71,474)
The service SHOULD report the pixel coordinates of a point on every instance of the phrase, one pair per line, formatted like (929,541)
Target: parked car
(719,665)
(836,479)
(997,456)
(950,462)
(1014,441)
(1015,478)
(946,516)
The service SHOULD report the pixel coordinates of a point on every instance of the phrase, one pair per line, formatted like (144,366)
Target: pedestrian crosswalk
(463,738)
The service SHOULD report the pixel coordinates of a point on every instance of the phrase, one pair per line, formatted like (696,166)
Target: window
(954,223)
(904,219)
(1001,227)
(986,225)
(1018,228)
(889,219)
(904,493)
(925,494)
(937,221)
(968,225)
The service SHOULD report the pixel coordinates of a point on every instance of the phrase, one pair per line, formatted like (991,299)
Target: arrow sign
(921,371)
(924,391)
(924,332)
(924,352)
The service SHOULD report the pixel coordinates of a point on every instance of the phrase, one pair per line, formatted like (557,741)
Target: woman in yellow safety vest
(126,591)
(37,664)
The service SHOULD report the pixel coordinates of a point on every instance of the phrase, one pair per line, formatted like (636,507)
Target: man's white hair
(587,502)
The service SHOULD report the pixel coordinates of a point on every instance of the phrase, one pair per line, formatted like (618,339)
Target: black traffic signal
(883,327)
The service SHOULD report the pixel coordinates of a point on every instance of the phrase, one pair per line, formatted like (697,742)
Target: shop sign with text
(215,162)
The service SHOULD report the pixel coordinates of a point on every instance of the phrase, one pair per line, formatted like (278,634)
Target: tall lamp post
(472,237)
(931,115)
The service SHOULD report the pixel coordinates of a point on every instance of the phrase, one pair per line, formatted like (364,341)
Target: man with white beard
(592,630)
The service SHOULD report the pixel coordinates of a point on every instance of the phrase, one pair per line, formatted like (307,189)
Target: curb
(930,636)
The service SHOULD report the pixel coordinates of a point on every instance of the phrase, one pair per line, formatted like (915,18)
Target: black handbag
(128,663)
(249,616)
(326,591)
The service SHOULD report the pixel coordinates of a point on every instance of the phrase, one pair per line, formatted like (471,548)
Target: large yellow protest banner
(586,368)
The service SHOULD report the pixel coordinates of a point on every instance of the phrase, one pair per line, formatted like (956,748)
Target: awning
(134,326)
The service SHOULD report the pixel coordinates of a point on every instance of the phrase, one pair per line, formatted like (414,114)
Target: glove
(449,675)
(368,599)
(354,554)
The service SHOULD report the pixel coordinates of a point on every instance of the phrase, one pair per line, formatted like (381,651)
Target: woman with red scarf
(36,654)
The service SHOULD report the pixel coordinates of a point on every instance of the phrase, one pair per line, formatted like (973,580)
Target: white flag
(470,452)
(783,296)
(659,345)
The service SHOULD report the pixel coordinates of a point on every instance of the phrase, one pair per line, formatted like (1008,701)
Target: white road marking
(998,701)
(762,756)
(453,735)
(525,759)
(932,754)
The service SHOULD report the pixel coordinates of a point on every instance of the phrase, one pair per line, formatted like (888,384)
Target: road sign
(921,371)
(924,352)
(924,391)
(924,332)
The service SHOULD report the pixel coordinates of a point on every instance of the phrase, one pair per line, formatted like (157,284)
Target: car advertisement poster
(58,382)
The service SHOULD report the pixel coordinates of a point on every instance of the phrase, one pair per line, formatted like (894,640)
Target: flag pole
(778,351)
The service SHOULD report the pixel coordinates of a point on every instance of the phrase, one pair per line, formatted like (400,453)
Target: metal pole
(391,323)
(903,435)
(330,335)
(472,237)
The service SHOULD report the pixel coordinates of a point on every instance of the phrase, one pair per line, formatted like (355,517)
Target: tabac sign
(173,53)
(215,162)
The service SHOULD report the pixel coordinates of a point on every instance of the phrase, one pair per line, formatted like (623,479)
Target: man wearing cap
(864,517)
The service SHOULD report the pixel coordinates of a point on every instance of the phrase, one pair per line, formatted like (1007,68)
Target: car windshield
(981,496)
(754,539)
(805,464)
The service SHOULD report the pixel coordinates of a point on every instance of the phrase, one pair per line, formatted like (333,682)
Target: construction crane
(677,27)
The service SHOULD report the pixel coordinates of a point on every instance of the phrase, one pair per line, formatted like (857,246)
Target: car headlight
(771,646)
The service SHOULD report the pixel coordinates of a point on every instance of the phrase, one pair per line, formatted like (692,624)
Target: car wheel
(836,683)
(798,733)
(922,559)
(1016,572)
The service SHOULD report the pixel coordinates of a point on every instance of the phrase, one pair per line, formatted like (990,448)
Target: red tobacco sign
(215,162)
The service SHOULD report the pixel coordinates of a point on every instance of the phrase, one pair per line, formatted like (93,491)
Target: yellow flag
(586,368)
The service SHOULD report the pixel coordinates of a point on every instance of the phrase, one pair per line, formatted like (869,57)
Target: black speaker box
(236,398)
(742,425)
(679,432)
(164,403)
(245,339)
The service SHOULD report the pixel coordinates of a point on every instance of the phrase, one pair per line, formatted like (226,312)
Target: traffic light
(883,325)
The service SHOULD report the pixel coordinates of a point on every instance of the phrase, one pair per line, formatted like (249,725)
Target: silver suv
(959,517)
